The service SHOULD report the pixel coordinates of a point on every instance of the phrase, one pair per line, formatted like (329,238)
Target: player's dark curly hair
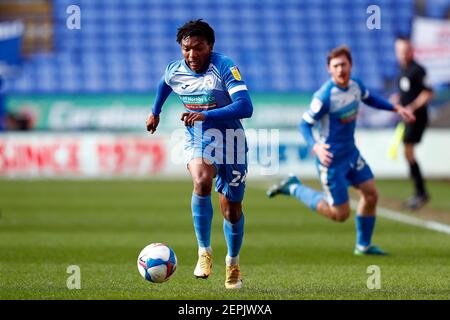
(196,28)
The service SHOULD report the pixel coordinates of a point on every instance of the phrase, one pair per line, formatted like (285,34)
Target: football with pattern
(157,262)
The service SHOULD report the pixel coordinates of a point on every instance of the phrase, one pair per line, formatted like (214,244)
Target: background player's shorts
(414,131)
(336,179)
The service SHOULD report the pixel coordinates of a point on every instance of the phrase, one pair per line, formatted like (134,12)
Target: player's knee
(232,214)
(341,216)
(371,197)
(202,185)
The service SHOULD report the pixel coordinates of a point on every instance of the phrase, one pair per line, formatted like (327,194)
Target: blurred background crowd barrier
(78,77)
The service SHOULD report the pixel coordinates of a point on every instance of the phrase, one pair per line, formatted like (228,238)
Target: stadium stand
(280,46)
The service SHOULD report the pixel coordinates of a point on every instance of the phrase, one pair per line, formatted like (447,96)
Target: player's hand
(405,113)
(190,117)
(152,122)
(325,156)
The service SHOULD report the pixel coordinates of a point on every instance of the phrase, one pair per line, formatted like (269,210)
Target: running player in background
(339,163)
(415,94)
(215,99)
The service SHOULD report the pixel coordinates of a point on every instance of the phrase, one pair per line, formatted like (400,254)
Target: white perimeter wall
(105,155)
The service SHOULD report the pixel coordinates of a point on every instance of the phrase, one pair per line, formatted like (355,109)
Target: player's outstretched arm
(375,101)
(162,92)
(380,103)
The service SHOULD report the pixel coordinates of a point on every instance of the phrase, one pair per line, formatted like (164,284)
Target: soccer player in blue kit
(215,99)
(334,107)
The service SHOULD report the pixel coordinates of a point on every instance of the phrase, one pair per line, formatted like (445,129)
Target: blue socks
(308,196)
(234,233)
(364,230)
(202,212)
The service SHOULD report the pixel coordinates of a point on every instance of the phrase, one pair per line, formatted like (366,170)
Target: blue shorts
(231,175)
(341,174)
(230,181)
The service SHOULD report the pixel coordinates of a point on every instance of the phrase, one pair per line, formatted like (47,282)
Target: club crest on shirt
(209,82)
(405,84)
(235,71)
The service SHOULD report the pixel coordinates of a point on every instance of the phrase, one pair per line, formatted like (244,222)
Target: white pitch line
(401,217)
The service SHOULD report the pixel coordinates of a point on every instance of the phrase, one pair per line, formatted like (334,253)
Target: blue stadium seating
(438,8)
(124,46)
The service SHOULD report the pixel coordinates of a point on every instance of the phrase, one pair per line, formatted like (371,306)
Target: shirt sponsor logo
(349,116)
(199,102)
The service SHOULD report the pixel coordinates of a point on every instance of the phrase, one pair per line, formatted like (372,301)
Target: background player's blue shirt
(335,109)
(2,108)
(207,91)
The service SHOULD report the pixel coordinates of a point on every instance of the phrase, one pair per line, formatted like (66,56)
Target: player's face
(340,68)
(196,52)
(404,52)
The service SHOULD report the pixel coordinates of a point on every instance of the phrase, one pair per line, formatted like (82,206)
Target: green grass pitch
(288,251)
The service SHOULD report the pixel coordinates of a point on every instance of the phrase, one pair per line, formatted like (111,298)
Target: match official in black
(415,94)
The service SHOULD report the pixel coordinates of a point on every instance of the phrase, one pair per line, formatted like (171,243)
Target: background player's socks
(202,212)
(308,196)
(234,232)
(364,230)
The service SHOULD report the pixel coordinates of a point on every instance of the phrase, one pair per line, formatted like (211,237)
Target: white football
(157,262)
